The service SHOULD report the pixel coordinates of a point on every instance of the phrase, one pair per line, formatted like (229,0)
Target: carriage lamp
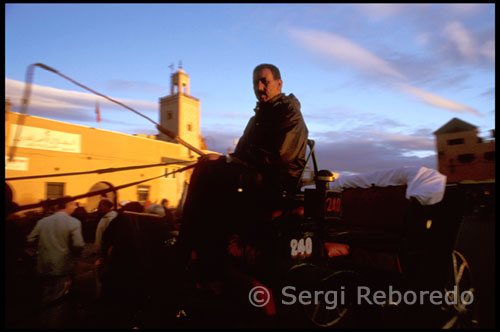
(323,178)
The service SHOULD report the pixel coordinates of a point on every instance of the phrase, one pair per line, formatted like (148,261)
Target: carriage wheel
(320,316)
(327,314)
(460,293)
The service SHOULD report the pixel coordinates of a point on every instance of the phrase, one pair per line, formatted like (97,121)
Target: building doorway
(93,201)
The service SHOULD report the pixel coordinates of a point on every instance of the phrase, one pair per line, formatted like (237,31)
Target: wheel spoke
(468,296)
(450,295)
(454,258)
(461,279)
(460,273)
(450,323)
(315,312)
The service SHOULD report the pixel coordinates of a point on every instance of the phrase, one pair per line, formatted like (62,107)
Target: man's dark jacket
(275,140)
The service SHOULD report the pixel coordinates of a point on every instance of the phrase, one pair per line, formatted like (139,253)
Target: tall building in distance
(180,113)
(462,154)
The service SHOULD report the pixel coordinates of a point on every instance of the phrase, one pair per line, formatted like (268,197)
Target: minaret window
(190,127)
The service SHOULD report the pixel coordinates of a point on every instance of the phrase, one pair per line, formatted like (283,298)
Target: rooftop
(455,125)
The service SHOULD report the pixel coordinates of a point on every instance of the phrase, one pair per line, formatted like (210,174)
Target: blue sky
(374,80)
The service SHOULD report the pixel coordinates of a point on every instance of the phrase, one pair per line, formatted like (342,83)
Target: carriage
(386,233)
(387,259)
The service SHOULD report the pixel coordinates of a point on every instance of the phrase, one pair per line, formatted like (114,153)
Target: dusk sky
(374,80)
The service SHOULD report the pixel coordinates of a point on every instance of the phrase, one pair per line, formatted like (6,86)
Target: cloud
(489,93)
(445,34)
(464,8)
(136,86)
(42,96)
(357,143)
(447,38)
(422,12)
(222,138)
(488,50)
(345,51)
(353,151)
(381,11)
(420,140)
(70,105)
(403,142)
(422,38)
(374,151)
(362,148)
(366,147)
(437,101)
(462,40)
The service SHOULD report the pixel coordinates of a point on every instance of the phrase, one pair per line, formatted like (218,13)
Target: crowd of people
(45,253)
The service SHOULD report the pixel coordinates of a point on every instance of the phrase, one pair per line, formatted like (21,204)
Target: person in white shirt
(59,241)
(59,238)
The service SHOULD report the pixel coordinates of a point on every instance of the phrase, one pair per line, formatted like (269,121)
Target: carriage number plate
(332,205)
(302,247)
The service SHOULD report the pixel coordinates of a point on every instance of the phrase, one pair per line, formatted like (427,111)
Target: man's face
(265,86)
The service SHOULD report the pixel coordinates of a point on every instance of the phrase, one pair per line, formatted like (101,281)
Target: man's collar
(270,102)
(275,98)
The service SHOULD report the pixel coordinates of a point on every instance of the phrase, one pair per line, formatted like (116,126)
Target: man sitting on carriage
(228,195)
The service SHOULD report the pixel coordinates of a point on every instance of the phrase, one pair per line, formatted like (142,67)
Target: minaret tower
(180,112)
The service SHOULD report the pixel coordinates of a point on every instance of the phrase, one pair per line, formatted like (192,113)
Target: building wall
(98,149)
(454,150)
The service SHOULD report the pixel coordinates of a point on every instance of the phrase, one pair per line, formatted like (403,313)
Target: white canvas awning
(425,184)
